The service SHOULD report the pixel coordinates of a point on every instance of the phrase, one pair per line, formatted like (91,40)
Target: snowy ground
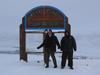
(86,62)
(10,65)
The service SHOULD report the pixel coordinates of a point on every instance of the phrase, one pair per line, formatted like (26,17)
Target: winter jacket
(68,44)
(50,42)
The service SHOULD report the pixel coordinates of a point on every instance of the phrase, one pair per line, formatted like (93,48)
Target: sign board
(44,18)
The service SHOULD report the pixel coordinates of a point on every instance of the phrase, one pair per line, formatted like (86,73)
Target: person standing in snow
(50,43)
(67,45)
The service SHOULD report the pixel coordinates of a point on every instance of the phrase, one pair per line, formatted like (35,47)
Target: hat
(50,30)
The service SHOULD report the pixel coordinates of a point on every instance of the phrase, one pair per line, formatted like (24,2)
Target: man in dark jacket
(50,43)
(67,45)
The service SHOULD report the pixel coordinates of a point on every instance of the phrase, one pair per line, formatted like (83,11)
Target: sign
(45,17)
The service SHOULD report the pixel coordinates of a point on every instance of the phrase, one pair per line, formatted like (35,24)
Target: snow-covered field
(10,65)
(86,62)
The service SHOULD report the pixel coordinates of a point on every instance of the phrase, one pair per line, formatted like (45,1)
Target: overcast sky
(84,15)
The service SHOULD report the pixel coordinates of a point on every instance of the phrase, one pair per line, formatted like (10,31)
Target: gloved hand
(61,50)
(74,49)
(38,47)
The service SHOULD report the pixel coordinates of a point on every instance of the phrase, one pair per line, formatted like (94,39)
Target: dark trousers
(49,53)
(44,57)
(69,56)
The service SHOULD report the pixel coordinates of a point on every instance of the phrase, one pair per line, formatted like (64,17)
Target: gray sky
(84,15)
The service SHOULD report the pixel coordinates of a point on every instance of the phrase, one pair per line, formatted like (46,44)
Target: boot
(71,68)
(47,66)
(55,66)
(62,67)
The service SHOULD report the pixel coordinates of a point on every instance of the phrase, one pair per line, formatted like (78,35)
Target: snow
(10,65)
(84,16)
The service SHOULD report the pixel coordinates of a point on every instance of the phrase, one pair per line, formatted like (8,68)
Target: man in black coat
(50,43)
(67,45)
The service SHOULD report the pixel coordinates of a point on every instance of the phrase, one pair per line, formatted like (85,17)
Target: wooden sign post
(41,18)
